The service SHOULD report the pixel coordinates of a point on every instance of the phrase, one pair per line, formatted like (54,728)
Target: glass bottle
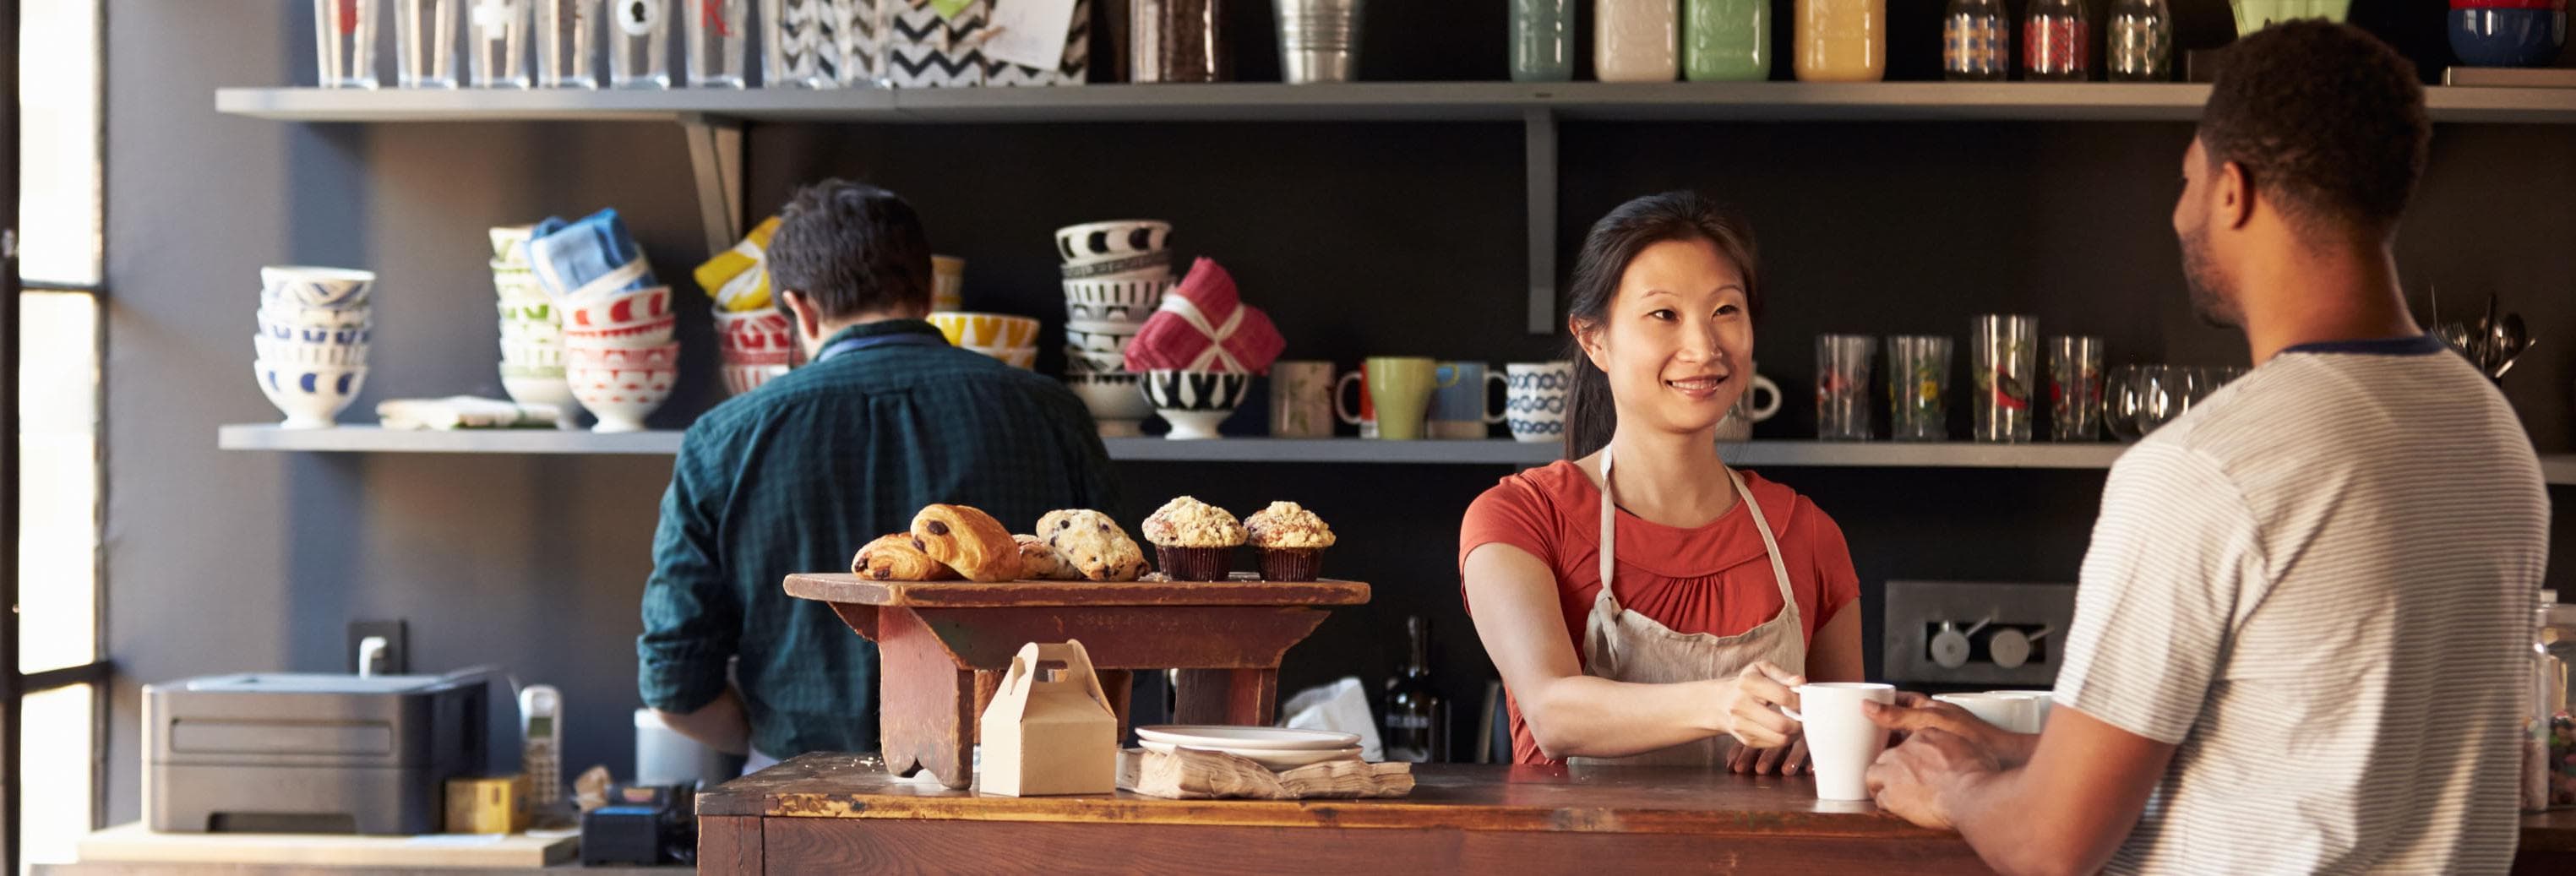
(1726,40)
(1636,40)
(1841,40)
(639,44)
(2055,42)
(1976,41)
(1542,40)
(1413,732)
(2139,41)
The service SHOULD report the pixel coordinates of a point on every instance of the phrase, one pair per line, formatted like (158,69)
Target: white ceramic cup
(1841,742)
(1738,425)
(2012,712)
(2040,703)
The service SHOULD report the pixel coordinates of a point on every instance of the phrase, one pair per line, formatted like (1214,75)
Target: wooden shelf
(1365,101)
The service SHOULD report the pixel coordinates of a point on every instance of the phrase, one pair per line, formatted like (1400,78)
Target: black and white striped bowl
(1094,242)
(1196,390)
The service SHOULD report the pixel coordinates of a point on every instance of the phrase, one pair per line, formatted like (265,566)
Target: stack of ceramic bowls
(312,341)
(1115,274)
(1012,339)
(532,355)
(756,345)
(947,283)
(619,354)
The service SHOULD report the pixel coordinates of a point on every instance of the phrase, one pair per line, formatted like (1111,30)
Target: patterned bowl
(309,395)
(1195,402)
(1095,242)
(970,329)
(621,398)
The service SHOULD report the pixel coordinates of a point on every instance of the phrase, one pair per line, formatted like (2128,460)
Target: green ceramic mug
(1400,387)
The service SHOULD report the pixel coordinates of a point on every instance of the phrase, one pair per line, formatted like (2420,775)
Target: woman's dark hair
(1590,414)
(850,249)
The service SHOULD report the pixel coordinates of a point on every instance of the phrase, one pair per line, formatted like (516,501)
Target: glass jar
(1542,40)
(1726,40)
(2056,42)
(1976,41)
(1636,40)
(1842,40)
(2549,733)
(2139,41)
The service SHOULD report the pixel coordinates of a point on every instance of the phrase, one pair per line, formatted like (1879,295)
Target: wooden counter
(843,813)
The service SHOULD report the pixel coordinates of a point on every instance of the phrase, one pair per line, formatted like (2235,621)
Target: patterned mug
(1301,399)
(1534,403)
(1738,425)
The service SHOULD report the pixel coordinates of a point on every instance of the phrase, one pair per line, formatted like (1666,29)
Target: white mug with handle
(1841,741)
(1738,425)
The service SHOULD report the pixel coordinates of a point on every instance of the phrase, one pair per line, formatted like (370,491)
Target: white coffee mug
(2040,702)
(1534,399)
(1841,742)
(1738,425)
(2012,712)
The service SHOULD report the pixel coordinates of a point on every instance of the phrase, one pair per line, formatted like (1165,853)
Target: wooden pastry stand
(1226,638)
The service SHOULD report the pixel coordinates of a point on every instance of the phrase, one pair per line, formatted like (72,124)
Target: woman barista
(1644,602)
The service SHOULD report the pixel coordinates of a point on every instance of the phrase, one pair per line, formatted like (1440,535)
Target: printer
(309,753)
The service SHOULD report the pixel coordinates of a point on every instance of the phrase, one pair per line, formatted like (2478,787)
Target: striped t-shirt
(2319,585)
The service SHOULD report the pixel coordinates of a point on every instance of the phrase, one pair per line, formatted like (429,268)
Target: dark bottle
(1414,730)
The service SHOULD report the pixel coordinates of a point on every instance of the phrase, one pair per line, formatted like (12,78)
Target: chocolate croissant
(969,541)
(893,558)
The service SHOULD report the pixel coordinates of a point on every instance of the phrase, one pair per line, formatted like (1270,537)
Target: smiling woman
(1677,643)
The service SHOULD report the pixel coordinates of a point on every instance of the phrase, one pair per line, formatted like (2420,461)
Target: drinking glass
(2074,388)
(496,44)
(345,42)
(2165,393)
(568,43)
(639,44)
(1842,387)
(2003,357)
(2123,400)
(1918,380)
(717,40)
(425,43)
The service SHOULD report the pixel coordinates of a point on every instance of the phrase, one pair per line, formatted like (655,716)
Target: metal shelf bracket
(1539,137)
(715,160)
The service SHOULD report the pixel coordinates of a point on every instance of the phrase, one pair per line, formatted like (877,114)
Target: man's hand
(1914,712)
(1912,779)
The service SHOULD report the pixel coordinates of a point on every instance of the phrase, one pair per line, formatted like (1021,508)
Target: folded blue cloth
(576,254)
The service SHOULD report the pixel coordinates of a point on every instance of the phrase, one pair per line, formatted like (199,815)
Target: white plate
(1277,760)
(1261,738)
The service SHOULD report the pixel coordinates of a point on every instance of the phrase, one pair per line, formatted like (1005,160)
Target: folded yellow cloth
(738,278)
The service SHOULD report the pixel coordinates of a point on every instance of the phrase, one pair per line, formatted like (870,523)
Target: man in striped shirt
(2299,633)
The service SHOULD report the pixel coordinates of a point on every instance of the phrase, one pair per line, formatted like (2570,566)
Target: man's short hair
(2327,121)
(851,249)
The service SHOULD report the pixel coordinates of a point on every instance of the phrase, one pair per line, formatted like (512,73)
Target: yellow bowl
(968,329)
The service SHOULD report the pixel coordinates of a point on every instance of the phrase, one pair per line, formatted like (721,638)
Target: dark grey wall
(1359,239)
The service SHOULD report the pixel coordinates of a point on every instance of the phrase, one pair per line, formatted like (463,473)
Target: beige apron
(1627,646)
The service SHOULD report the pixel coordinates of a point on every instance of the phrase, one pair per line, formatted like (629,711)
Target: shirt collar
(2411,345)
(885,327)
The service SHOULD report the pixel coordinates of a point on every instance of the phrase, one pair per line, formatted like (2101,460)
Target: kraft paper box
(1049,729)
(487,805)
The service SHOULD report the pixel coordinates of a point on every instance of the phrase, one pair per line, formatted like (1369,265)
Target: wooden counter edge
(1386,814)
(847,588)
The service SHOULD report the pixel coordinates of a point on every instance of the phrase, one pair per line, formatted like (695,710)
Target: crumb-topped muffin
(1193,539)
(1292,541)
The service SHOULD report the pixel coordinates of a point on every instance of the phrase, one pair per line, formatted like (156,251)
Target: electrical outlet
(397,659)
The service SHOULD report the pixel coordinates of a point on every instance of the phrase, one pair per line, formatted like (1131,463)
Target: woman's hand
(1787,760)
(1750,702)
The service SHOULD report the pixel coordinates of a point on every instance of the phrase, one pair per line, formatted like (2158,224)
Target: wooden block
(1206,775)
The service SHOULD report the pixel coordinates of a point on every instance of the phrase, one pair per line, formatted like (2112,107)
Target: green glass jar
(1726,40)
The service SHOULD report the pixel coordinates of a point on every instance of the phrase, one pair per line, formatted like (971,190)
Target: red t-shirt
(1711,579)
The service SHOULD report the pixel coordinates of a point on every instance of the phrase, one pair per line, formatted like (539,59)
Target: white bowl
(314,286)
(739,379)
(1142,295)
(341,336)
(651,334)
(971,329)
(1016,357)
(300,353)
(659,357)
(532,354)
(536,390)
(301,316)
(1195,402)
(621,399)
(616,310)
(546,333)
(1098,342)
(1095,242)
(1150,266)
(1111,397)
(309,395)
(1080,361)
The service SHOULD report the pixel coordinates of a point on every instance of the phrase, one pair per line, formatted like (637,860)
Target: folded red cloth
(1204,326)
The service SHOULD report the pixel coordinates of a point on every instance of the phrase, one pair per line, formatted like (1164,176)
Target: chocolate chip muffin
(1194,541)
(1291,540)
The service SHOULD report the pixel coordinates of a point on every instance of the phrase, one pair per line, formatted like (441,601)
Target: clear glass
(568,43)
(425,43)
(2165,393)
(58,757)
(344,42)
(58,143)
(2139,41)
(639,44)
(2124,401)
(2003,357)
(1841,40)
(2549,732)
(1918,382)
(1842,387)
(496,45)
(1542,40)
(1976,41)
(718,40)
(1726,40)
(2074,388)
(2056,42)
(800,45)
(1636,40)
(58,510)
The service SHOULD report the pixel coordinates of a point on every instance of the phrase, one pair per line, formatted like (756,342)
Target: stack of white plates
(1278,748)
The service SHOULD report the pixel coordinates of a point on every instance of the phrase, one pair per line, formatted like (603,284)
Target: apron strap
(1609,537)
(1770,545)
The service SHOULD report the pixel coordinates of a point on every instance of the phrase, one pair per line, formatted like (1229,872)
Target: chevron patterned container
(917,47)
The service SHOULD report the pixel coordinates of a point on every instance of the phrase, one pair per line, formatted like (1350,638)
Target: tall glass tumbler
(1918,381)
(718,41)
(2003,356)
(2074,388)
(496,43)
(639,44)
(425,43)
(1842,387)
(568,43)
(1542,38)
(344,45)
